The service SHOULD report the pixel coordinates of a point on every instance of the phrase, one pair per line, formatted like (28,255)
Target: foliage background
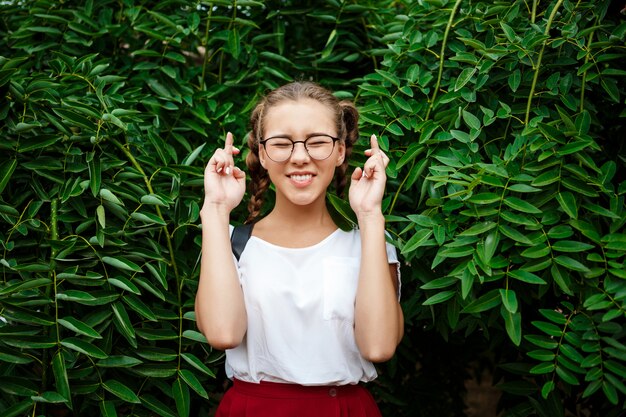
(505,124)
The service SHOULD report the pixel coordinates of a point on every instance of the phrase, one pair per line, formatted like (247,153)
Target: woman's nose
(299,154)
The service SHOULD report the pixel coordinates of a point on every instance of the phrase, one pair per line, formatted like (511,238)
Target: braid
(260,181)
(349,131)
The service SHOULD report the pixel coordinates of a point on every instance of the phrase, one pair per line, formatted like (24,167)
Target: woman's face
(301,179)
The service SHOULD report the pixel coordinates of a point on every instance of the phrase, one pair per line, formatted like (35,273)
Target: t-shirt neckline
(315,245)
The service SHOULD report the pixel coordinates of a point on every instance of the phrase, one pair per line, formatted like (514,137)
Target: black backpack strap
(239,238)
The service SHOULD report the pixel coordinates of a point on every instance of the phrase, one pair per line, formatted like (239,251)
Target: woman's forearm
(220,309)
(378,316)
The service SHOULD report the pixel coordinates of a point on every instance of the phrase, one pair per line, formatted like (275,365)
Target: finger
(229,150)
(228,145)
(238,173)
(374,143)
(357,174)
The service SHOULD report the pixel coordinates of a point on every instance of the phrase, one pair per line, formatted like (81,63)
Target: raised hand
(368,183)
(224,183)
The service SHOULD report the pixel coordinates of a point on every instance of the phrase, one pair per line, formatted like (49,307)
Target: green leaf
(567,201)
(24,285)
(470,120)
(513,234)
(192,381)
(542,355)
(521,205)
(140,307)
(343,208)
(485,198)
(17,409)
(542,341)
(537,251)
(125,284)
(570,263)
(180,392)
(77,296)
(79,327)
(439,283)
(195,335)
(554,316)
(192,360)
(465,76)
(440,297)
(51,397)
(60,377)
(571,246)
(83,347)
(234,44)
(95,174)
(119,361)
(543,368)
(418,239)
(107,195)
(514,80)
(561,279)
(153,404)
(6,171)
(526,276)
(513,324)
(121,263)
(548,328)
(485,302)
(610,392)
(123,323)
(107,409)
(121,391)
(523,188)
(509,300)
(478,229)
(547,388)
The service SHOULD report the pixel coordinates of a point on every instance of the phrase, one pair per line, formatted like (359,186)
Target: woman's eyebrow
(308,135)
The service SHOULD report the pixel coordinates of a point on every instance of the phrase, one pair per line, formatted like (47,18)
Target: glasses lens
(319,147)
(278,149)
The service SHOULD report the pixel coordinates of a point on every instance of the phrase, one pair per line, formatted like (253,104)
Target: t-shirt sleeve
(392,258)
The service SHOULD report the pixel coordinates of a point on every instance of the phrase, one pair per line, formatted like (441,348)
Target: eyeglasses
(280,148)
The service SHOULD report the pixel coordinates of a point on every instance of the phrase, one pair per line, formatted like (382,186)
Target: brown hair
(347,119)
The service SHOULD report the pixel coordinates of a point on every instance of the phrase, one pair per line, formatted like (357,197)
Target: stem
(138,167)
(397,193)
(205,42)
(441,56)
(54,234)
(534,12)
(583,82)
(538,64)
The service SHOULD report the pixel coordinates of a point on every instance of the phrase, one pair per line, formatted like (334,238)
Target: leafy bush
(508,204)
(506,191)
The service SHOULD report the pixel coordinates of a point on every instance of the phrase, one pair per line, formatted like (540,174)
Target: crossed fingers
(223,162)
(377,161)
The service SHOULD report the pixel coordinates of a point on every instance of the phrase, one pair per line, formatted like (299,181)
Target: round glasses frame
(303,142)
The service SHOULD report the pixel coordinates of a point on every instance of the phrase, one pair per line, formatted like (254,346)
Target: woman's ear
(262,156)
(260,150)
(342,153)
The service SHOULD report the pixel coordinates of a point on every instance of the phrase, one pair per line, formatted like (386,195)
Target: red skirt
(269,399)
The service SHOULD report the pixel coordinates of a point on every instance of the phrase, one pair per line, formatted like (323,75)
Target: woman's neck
(290,225)
(300,217)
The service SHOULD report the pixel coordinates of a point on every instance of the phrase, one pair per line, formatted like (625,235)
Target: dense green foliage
(504,121)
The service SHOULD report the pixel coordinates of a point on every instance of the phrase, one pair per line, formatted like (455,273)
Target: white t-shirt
(300,308)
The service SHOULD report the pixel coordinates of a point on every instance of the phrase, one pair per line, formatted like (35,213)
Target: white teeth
(301,178)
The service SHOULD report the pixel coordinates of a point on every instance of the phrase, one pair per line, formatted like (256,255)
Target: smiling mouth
(301,178)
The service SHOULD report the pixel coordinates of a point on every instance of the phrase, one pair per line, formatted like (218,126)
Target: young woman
(307,308)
